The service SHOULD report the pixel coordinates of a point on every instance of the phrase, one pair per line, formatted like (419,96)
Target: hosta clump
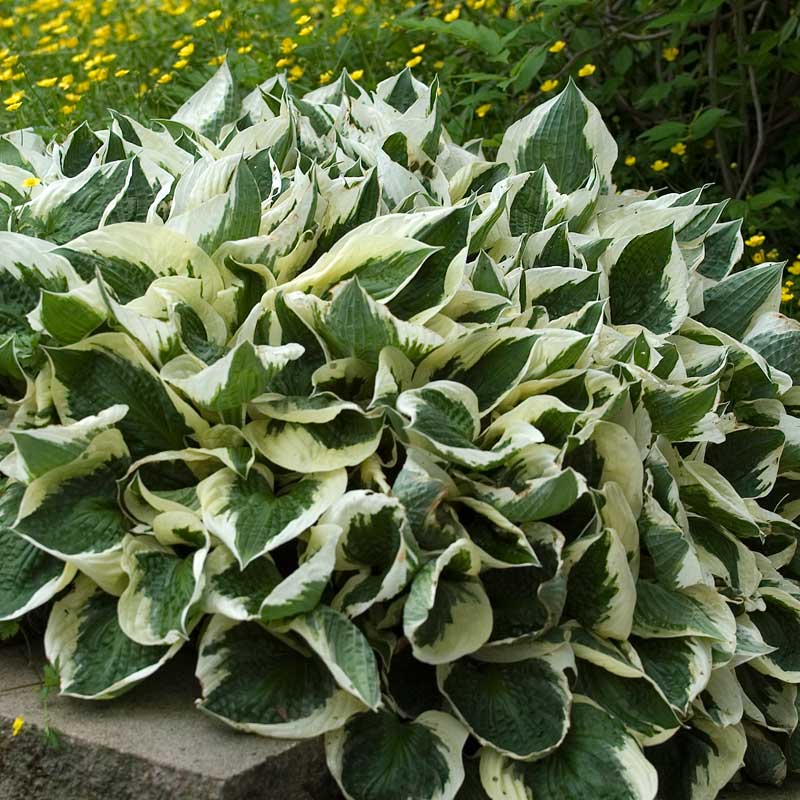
(484,471)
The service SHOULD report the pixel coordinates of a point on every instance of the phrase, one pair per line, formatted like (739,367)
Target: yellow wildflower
(549,85)
(215,61)
(29,182)
(72,97)
(16,726)
(679,148)
(180,63)
(216,13)
(46,83)
(630,161)
(412,62)
(99,74)
(67,110)
(83,87)
(759,257)
(756,240)
(658,165)
(304,20)
(14,98)
(283,62)
(287,45)
(786,295)
(121,73)
(296,72)
(244,49)
(438,64)
(795,268)
(325,77)
(418,49)
(165,78)
(482,110)
(557,46)
(772,254)
(305,31)
(586,70)
(670,53)
(66,81)
(357,74)
(186,50)
(452,16)
(198,23)
(13,106)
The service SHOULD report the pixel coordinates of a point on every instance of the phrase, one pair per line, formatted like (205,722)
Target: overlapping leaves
(417,448)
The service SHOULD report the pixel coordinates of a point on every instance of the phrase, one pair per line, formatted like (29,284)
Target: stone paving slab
(150,744)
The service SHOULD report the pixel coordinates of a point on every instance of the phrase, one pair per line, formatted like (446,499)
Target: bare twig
(760,137)
(713,89)
(644,37)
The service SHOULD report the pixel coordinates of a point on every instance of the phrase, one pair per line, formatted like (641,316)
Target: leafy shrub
(423,450)
(695,91)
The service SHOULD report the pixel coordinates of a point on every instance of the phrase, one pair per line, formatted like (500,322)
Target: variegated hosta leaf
(597,758)
(355,325)
(734,303)
(663,613)
(565,134)
(232,381)
(779,625)
(344,441)
(777,339)
(94,658)
(344,649)
(637,702)
(445,416)
(376,539)
(600,587)
(208,109)
(519,708)
(380,757)
(108,370)
(73,513)
(490,363)
(260,591)
(697,762)
(647,281)
(527,601)
(259,682)
(251,518)
(38,450)
(447,614)
(29,576)
(159,602)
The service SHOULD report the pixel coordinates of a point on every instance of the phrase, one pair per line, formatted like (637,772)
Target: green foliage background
(694,90)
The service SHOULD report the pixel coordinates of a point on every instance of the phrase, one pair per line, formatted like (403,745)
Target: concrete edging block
(151,743)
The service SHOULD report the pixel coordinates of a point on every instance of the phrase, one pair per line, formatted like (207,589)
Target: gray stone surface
(150,744)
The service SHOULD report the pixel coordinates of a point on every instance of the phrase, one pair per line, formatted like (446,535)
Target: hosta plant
(477,467)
